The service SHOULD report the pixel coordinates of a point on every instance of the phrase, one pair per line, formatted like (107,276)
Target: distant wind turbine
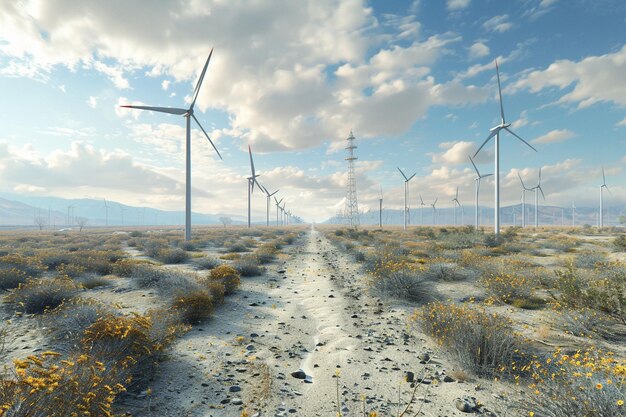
(434,210)
(524,189)
(406,194)
(188,114)
(269,198)
(106,213)
(538,188)
(477,189)
(380,209)
(422,204)
(495,131)
(252,179)
(573,214)
(455,202)
(602,198)
(277,208)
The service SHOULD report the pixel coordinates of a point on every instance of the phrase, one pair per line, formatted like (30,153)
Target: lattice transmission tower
(352,206)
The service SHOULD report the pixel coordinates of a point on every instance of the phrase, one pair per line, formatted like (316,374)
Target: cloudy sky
(415,81)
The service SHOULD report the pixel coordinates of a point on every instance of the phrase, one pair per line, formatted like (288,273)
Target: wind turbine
(434,210)
(602,198)
(277,207)
(282,214)
(455,202)
(106,213)
(269,198)
(380,209)
(524,189)
(422,204)
(251,180)
(477,188)
(188,114)
(538,188)
(495,131)
(70,209)
(406,194)
(573,214)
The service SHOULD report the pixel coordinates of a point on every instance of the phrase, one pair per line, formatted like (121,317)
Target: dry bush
(483,343)
(266,253)
(230,256)
(38,295)
(207,262)
(171,255)
(513,289)
(217,290)
(91,281)
(12,278)
(587,383)
(227,276)
(620,243)
(194,306)
(248,266)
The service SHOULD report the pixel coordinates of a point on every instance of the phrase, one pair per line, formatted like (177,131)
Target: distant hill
(548,215)
(19,210)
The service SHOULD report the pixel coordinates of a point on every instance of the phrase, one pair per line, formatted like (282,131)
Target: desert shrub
(207,262)
(171,255)
(586,322)
(492,240)
(187,246)
(227,276)
(445,271)
(289,238)
(70,270)
(38,295)
(513,289)
(66,324)
(483,343)
(587,382)
(266,253)
(164,280)
(91,281)
(135,233)
(459,240)
(216,289)
(230,256)
(406,284)
(620,243)
(248,266)
(195,306)
(589,260)
(29,265)
(46,385)
(12,278)
(236,247)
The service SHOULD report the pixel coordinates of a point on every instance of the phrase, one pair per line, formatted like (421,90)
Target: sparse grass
(12,278)
(207,262)
(91,281)
(248,266)
(195,305)
(171,255)
(39,295)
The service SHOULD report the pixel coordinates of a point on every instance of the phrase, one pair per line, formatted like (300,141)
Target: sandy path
(309,311)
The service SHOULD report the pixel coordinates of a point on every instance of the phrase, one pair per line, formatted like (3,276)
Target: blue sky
(415,81)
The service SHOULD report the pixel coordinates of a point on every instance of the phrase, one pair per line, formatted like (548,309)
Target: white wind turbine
(252,179)
(538,188)
(422,204)
(188,114)
(282,214)
(406,194)
(524,189)
(269,198)
(455,202)
(602,198)
(495,131)
(434,209)
(277,208)
(573,214)
(477,189)
(106,213)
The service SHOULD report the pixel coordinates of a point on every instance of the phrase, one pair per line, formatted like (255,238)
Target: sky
(414,81)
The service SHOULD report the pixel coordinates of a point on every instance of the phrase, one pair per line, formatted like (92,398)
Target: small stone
(410,376)
(236,401)
(465,405)
(448,378)
(299,374)
(234,388)
(424,356)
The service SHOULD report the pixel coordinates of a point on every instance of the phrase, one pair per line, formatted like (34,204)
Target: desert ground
(313,321)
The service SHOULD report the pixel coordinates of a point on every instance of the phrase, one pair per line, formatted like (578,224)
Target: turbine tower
(352,206)
(269,198)
(252,179)
(406,194)
(602,198)
(187,114)
(573,214)
(434,209)
(455,202)
(422,204)
(538,188)
(524,189)
(477,188)
(277,208)
(380,209)
(495,131)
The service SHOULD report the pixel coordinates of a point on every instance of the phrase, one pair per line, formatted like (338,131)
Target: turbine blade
(517,136)
(251,161)
(607,188)
(421,199)
(274,193)
(196,90)
(405,178)
(411,177)
(542,194)
(457,192)
(436,198)
(520,179)
(500,92)
(474,165)
(539,180)
(207,136)
(492,134)
(603,177)
(486,175)
(169,110)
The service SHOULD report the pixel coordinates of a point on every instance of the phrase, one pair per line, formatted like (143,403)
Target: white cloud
(547,3)
(498,24)
(457,4)
(555,136)
(478,50)
(115,74)
(125,112)
(165,84)
(622,122)
(92,102)
(595,79)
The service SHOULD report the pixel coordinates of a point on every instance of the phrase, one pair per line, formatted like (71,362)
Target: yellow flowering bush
(227,276)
